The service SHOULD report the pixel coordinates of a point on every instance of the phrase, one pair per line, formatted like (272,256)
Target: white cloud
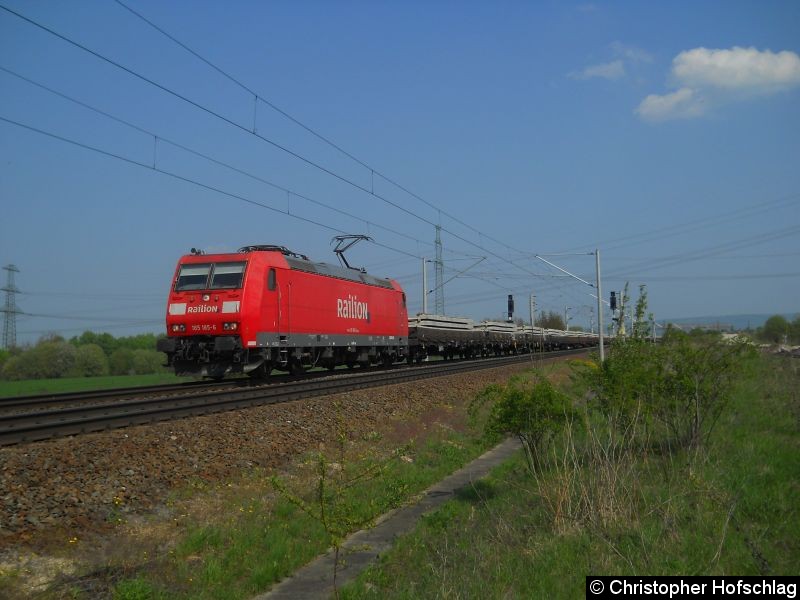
(625,57)
(611,70)
(631,53)
(737,68)
(683,104)
(709,77)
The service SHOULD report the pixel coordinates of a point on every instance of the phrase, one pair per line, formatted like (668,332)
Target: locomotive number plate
(204,327)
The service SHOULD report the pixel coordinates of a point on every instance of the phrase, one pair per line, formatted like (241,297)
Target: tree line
(779,330)
(87,355)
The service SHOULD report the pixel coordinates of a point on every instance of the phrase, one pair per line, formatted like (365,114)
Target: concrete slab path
(315,580)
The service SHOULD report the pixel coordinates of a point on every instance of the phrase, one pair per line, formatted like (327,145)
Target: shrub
(121,362)
(695,380)
(145,362)
(47,360)
(533,410)
(90,361)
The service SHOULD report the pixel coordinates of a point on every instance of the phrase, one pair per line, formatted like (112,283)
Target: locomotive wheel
(261,372)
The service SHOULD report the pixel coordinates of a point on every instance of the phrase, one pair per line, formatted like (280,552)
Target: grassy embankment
(235,539)
(728,509)
(31,387)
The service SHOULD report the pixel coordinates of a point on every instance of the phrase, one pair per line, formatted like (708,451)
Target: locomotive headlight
(206,297)
(230,326)
(178,327)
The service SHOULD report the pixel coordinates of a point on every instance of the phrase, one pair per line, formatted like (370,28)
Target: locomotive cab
(204,315)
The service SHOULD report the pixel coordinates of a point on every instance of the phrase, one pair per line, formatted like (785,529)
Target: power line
(714,250)
(83,318)
(124,296)
(192,181)
(706,277)
(255,95)
(103,327)
(319,136)
(265,139)
(161,138)
(694,224)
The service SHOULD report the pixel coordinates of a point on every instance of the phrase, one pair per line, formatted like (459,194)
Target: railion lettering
(202,309)
(351,308)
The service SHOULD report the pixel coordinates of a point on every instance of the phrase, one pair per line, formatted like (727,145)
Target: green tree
(145,341)
(550,320)
(121,362)
(12,370)
(775,329)
(794,330)
(90,361)
(145,362)
(106,341)
(49,359)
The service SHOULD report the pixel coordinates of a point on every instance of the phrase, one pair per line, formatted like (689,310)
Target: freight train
(265,308)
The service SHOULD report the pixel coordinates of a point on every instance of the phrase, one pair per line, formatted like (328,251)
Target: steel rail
(39,425)
(54,399)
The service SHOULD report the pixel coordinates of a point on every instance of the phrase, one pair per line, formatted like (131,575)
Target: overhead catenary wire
(192,181)
(700,254)
(695,224)
(312,131)
(164,139)
(258,136)
(707,277)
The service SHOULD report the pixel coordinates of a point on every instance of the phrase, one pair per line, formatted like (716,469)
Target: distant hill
(736,321)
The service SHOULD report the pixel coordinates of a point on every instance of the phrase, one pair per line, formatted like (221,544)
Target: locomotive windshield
(227,275)
(207,276)
(192,277)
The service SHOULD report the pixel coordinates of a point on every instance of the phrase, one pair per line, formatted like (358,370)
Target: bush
(533,410)
(47,360)
(90,361)
(682,385)
(695,380)
(121,362)
(145,362)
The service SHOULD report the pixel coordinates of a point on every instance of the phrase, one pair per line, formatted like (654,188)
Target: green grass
(264,538)
(732,512)
(81,384)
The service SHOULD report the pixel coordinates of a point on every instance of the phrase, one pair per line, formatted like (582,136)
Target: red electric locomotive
(265,307)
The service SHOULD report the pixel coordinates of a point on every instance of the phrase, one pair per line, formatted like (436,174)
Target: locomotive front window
(227,275)
(192,277)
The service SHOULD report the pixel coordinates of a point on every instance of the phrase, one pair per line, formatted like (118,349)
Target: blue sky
(664,134)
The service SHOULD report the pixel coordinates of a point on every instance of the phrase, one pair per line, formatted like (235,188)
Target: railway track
(112,409)
(40,401)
